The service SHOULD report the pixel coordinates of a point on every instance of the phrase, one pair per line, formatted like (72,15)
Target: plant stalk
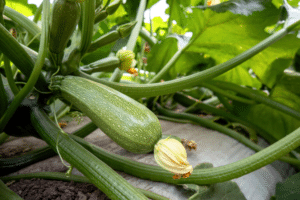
(36,70)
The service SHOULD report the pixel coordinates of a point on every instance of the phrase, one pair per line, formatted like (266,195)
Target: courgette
(129,123)
(65,17)
(101,175)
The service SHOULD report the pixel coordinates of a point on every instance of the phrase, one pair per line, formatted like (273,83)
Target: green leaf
(279,3)
(157,23)
(161,53)
(177,11)
(151,3)
(190,62)
(242,7)
(225,35)
(290,80)
(226,191)
(289,189)
(131,8)
(22,7)
(274,122)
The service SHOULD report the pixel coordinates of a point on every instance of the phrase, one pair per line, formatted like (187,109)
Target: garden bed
(213,147)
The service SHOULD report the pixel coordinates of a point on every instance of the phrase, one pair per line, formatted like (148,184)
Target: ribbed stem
(23,21)
(156,89)
(117,75)
(36,70)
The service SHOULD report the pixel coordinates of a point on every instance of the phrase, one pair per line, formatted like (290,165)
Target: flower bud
(127,60)
(170,154)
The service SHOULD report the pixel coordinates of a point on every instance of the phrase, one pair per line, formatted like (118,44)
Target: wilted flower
(189,144)
(170,154)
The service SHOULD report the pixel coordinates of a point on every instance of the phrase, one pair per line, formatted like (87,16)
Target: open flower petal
(170,154)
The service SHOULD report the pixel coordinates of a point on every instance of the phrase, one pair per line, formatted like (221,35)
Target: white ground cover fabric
(213,147)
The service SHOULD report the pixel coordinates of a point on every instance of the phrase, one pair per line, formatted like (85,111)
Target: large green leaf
(290,80)
(226,191)
(160,54)
(279,3)
(274,122)
(289,189)
(225,35)
(150,3)
(177,11)
(22,7)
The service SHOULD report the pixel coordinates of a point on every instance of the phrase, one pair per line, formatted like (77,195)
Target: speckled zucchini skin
(127,122)
(65,17)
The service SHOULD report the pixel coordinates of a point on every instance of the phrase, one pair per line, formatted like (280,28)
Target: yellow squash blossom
(213,2)
(170,154)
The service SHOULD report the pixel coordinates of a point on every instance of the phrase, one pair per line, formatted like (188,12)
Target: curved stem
(37,14)
(187,101)
(226,94)
(102,176)
(117,75)
(146,36)
(10,76)
(22,20)
(9,165)
(155,89)
(203,176)
(6,193)
(76,178)
(88,15)
(215,126)
(18,55)
(257,97)
(3,98)
(36,70)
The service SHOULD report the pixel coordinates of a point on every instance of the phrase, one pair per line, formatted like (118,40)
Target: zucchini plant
(226,59)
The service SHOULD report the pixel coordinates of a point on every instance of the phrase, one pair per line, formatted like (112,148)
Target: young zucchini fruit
(65,17)
(129,123)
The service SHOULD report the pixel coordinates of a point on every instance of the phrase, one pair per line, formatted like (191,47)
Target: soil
(40,189)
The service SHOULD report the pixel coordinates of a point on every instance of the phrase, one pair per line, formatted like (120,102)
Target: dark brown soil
(39,189)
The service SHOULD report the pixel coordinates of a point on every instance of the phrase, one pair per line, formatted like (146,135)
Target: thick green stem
(9,165)
(256,96)
(112,36)
(10,76)
(203,176)
(88,15)
(102,176)
(23,21)
(38,13)
(226,94)
(3,138)
(155,89)
(6,193)
(2,4)
(76,178)
(105,64)
(117,75)
(146,36)
(36,70)
(215,126)
(16,53)
(187,101)
(3,97)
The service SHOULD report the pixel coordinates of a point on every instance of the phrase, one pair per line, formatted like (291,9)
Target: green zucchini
(65,17)
(129,123)
(101,175)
